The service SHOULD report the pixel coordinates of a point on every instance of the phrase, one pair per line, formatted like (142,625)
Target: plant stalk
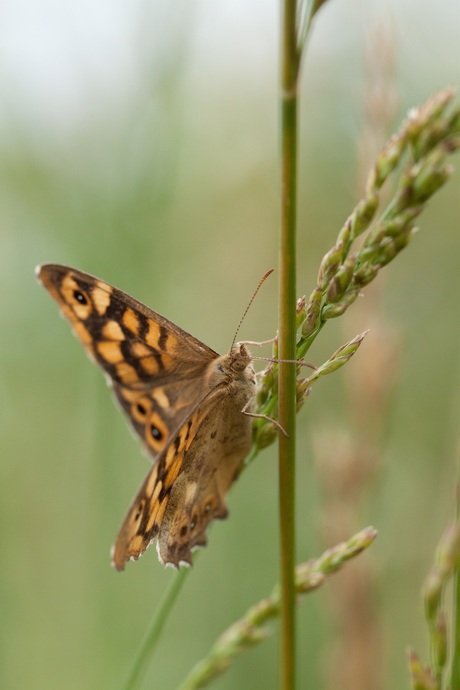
(287,341)
(153,634)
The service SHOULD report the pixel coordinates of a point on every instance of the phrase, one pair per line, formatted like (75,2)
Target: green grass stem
(147,648)
(287,341)
(296,20)
(251,629)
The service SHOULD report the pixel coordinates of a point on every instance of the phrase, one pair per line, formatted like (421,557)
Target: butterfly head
(239,358)
(232,368)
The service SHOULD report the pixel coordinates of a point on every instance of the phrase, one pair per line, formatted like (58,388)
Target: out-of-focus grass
(171,194)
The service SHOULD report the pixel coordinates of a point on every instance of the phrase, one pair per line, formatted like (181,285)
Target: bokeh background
(139,142)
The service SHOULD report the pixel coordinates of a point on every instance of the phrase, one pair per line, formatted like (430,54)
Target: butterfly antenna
(261,282)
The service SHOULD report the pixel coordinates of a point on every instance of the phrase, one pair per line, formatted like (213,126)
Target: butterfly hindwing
(186,488)
(144,517)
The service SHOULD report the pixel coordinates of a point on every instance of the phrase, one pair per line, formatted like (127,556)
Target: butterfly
(189,405)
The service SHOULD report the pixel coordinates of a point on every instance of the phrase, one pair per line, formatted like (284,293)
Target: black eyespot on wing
(80,297)
(141,409)
(156,433)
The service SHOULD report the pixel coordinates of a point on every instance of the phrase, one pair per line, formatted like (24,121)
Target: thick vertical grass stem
(287,339)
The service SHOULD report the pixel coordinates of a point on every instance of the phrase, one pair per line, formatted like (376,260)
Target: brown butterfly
(188,404)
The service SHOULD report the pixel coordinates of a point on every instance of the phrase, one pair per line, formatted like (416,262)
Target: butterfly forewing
(155,368)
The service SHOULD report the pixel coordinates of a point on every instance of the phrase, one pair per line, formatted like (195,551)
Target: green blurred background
(139,142)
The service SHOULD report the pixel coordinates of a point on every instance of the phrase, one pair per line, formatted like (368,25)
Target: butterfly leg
(263,416)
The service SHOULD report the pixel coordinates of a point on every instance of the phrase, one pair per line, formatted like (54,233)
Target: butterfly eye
(192,525)
(80,297)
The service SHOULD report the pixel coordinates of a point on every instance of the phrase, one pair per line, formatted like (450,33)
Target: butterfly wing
(185,490)
(184,401)
(155,368)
